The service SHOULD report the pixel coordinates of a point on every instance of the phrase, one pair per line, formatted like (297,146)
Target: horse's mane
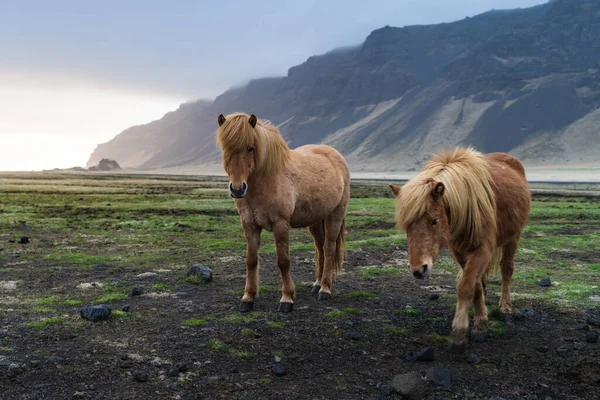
(468,196)
(236,135)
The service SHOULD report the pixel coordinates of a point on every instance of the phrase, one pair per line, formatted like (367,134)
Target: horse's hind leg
(318,233)
(480,313)
(252,234)
(333,226)
(507,266)
(281,232)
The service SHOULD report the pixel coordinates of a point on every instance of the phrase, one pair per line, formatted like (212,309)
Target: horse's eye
(250,149)
(435,221)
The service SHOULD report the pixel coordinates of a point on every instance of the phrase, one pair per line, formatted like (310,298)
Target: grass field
(92,238)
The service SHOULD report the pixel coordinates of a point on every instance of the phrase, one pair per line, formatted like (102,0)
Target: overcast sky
(76,73)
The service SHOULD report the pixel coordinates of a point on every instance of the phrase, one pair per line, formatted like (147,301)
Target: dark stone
(541,349)
(279,369)
(356,336)
(545,282)
(188,310)
(478,338)
(246,307)
(582,327)
(24,240)
(439,376)
(285,307)
(591,337)
(315,289)
(140,376)
(182,294)
(136,291)
(563,351)
(204,271)
(96,313)
(15,255)
(2,333)
(410,385)
(56,360)
(434,296)
(579,346)
(126,308)
(385,388)
(425,354)
(177,369)
(529,313)
(324,296)
(472,358)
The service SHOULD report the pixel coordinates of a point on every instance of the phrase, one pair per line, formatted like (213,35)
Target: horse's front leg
(281,232)
(475,267)
(252,234)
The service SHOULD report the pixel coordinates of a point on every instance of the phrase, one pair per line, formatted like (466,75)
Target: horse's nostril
(244,186)
(230,187)
(417,275)
(425,266)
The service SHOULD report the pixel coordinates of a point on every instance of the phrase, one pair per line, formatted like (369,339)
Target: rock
(140,376)
(177,369)
(541,349)
(279,369)
(563,351)
(2,333)
(56,360)
(136,291)
(188,310)
(425,354)
(434,296)
(385,388)
(356,336)
(582,327)
(478,338)
(591,337)
(410,385)
(579,346)
(439,376)
(182,294)
(15,255)
(126,308)
(472,358)
(529,313)
(545,282)
(24,240)
(203,271)
(96,313)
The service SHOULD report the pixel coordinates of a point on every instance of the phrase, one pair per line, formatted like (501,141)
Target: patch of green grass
(362,295)
(396,331)
(344,313)
(413,312)
(46,301)
(264,381)
(274,324)
(239,319)
(435,319)
(5,349)
(248,332)
(244,355)
(438,339)
(194,279)
(194,322)
(278,353)
(162,287)
(497,328)
(372,271)
(44,323)
(43,310)
(110,298)
(77,258)
(217,345)
(120,314)
(72,302)
(594,268)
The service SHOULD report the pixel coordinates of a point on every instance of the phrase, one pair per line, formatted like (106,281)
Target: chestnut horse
(275,188)
(475,204)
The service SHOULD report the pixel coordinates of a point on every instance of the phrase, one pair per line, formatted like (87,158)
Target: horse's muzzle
(238,193)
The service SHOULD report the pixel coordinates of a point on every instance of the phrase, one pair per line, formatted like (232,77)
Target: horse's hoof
(315,289)
(456,348)
(285,307)
(324,296)
(246,307)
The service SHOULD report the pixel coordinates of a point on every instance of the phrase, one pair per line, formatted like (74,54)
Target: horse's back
(320,152)
(509,160)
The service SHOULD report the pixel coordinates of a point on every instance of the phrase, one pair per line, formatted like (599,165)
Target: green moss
(273,324)
(413,312)
(362,295)
(110,298)
(244,355)
(239,319)
(344,313)
(44,323)
(217,345)
(396,331)
(46,301)
(71,302)
(162,287)
(264,381)
(120,314)
(248,332)
(438,339)
(194,322)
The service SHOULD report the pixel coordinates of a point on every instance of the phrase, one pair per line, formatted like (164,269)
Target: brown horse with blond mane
(275,188)
(477,205)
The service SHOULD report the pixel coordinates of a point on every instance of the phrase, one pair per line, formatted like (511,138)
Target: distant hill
(525,81)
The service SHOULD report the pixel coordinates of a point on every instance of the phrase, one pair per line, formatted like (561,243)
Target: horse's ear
(438,191)
(221,119)
(252,120)
(395,189)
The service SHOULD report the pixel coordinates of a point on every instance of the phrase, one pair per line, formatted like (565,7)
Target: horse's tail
(340,249)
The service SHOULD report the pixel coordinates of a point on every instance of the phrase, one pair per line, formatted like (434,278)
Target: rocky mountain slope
(525,81)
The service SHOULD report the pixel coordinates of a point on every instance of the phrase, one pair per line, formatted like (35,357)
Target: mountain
(524,81)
